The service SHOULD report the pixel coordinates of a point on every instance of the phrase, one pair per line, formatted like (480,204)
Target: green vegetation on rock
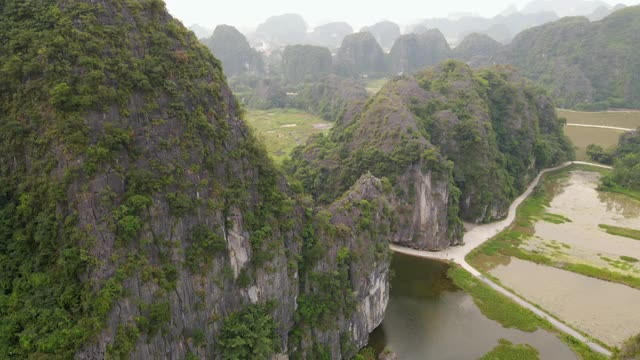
(139,215)
(76,120)
(412,52)
(234,51)
(305,63)
(586,65)
(360,54)
(452,122)
(332,295)
(477,49)
(333,98)
(625,176)
(249,334)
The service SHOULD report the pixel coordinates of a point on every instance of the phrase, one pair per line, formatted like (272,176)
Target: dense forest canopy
(586,65)
(626,162)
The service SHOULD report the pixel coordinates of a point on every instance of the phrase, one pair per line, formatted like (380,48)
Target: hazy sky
(249,13)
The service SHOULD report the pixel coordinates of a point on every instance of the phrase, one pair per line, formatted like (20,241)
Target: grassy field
(622,119)
(582,136)
(507,351)
(283,129)
(374,85)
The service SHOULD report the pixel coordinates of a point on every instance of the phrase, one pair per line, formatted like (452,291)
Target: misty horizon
(247,15)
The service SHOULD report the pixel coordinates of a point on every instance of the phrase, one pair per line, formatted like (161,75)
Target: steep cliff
(412,52)
(496,128)
(234,51)
(345,296)
(507,25)
(140,218)
(384,139)
(285,29)
(453,144)
(477,50)
(385,32)
(360,54)
(305,63)
(334,98)
(331,34)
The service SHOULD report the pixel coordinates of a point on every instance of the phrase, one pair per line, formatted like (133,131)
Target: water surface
(607,311)
(429,318)
(582,239)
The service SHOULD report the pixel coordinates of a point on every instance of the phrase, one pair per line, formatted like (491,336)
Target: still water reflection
(429,318)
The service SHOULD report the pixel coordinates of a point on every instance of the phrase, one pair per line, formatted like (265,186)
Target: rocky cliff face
(234,51)
(356,230)
(453,144)
(285,29)
(497,130)
(330,35)
(412,52)
(305,63)
(360,54)
(139,216)
(477,50)
(385,32)
(335,98)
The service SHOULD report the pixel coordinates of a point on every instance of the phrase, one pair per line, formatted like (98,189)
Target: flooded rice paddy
(607,311)
(582,240)
(623,119)
(582,137)
(429,318)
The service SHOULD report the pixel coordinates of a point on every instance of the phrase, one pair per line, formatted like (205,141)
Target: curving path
(599,127)
(480,234)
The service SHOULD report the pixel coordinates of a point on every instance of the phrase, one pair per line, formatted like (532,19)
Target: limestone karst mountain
(139,216)
(234,51)
(452,143)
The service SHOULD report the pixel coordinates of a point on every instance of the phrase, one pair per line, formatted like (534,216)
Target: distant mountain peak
(565,7)
(510,10)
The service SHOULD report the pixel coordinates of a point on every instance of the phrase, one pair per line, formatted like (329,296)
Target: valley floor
(483,233)
(602,128)
(281,130)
